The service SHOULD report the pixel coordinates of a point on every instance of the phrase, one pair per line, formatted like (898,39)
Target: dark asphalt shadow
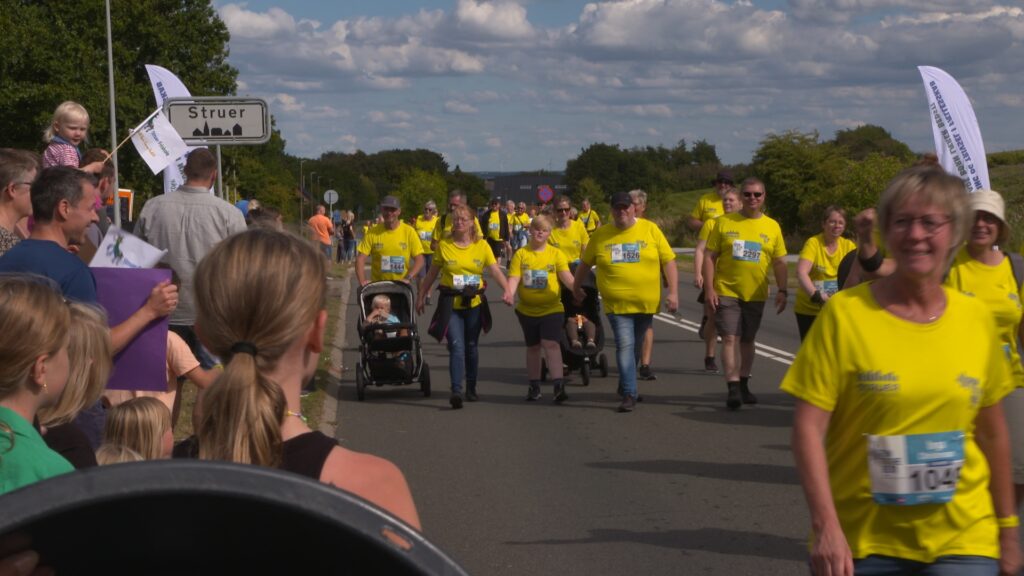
(717,540)
(745,416)
(756,473)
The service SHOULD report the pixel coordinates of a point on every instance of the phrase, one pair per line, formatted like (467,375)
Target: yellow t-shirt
(709,207)
(705,229)
(538,290)
(591,220)
(882,375)
(824,270)
(445,232)
(629,266)
(391,252)
(997,288)
(425,230)
(518,222)
(746,248)
(462,267)
(494,226)
(571,240)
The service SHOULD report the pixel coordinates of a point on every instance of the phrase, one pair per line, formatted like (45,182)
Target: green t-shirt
(30,459)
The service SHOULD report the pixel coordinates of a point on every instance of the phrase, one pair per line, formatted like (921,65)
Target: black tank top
(305,454)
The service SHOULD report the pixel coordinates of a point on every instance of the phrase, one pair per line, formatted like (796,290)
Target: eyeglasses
(753,194)
(563,209)
(930,223)
(986,217)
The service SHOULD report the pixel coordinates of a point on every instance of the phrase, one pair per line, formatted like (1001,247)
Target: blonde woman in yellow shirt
(817,271)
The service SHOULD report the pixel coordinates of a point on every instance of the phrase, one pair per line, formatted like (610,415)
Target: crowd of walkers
(908,431)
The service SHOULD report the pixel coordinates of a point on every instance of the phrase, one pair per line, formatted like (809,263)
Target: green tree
(473,186)
(419,186)
(858,143)
(589,188)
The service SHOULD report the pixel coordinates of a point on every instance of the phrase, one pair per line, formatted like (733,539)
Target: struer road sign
(204,121)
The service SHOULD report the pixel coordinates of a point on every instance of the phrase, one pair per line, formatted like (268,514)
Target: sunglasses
(753,194)
(563,209)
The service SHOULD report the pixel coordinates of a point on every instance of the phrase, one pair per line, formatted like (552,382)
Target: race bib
(460,281)
(535,279)
(426,235)
(828,287)
(494,226)
(392,264)
(746,251)
(916,468)
(625,253)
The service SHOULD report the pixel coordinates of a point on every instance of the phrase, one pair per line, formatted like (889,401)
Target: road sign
(545,193)
(204,121)
(330,197)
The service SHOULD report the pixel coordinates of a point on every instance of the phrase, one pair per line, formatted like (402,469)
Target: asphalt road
(680,486)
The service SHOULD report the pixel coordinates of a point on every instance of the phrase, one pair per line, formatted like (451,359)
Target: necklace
(297,415)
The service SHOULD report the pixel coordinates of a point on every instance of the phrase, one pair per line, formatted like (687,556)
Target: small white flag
(120,249)
(158,142)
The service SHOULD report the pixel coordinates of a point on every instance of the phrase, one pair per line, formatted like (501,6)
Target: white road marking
(780,356)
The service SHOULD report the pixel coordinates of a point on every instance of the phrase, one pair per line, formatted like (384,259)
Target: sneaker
(471,396)
(700,331)
(709,364)
(745,393)
(576,344)
(533,394)
(591,346)
(455,401)
(560,395)
(628,404)
(733,399)
(644,372)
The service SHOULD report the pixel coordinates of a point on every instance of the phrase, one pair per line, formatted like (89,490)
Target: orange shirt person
(323,229)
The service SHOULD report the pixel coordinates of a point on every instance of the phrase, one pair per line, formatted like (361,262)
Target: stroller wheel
(425,380)
(602,364)
(585,372)
(360,383)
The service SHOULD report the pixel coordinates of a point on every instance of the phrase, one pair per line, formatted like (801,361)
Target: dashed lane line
(780,356)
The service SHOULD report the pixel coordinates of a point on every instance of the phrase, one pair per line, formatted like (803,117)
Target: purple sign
(545,193)
(142,364)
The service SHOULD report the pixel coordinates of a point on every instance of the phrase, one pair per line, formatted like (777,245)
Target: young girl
(33,371)
(142,425)
(253,414)
(90,356)
(67,130)
(534,275)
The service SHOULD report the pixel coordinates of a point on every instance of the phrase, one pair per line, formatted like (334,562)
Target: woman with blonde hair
(90,357)
(34,324)
(143,425)
(252,414)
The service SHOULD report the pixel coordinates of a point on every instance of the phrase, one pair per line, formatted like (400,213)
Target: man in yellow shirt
(394,248)
(740,250)
(494,223)
(443,229)
(322,229)
(589,217)
(709,206)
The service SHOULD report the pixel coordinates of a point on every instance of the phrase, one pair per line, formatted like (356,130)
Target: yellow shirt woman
(538,290)
(570,241)
(462,267)
(824,270)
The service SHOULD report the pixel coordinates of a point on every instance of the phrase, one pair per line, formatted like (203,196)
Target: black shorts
(496,246)
(537,328)
(738,318)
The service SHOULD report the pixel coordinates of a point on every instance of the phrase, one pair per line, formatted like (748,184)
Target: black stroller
(580,358)
(389,353)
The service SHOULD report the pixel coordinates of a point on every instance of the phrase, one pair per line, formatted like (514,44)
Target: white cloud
(499,20)
(288,103)
(493,142)
(456,107)
(243,23)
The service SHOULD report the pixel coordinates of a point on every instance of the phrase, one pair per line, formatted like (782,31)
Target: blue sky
(527,84)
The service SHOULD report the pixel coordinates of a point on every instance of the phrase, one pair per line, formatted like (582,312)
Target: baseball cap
(621,199)
(390,202)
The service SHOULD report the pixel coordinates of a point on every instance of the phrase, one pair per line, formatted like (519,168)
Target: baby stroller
(580,358)
(389,353)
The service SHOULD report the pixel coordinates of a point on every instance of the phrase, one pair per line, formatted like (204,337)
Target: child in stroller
(389,346)
(381,314)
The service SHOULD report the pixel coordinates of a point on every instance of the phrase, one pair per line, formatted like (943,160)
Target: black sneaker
(627,405)
(471,396)
(644,372)
(733,400)
(709,364)
(533,394)
(560,395)
(745,393)
(455,401)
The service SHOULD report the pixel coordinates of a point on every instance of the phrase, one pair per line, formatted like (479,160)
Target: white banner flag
(958,142)
(120,249)
(158,142)
(167,85)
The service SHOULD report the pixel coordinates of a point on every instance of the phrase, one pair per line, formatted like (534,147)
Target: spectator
(188,223)
(108,454)
(143,425)
(18,170)
(90,358)
(348,232)
(68,129)
(34,323)
(630,256)
(266,216)
(105,190)
(322,229)
(253,414)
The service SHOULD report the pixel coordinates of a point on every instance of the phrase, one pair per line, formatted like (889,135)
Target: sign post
(330,196)
(216,120)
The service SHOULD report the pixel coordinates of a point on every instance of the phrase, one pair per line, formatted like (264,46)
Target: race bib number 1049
(916,468)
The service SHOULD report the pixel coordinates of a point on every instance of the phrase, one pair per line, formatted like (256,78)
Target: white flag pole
(113,121)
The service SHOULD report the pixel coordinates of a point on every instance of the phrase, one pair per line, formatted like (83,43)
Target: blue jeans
(463,356)
(876,565)
(350,249)
(628,330)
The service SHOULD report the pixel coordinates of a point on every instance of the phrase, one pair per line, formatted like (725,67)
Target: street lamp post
(302,185)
